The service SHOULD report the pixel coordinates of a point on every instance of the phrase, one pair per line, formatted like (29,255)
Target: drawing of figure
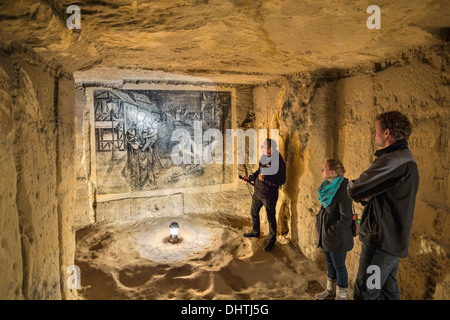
(141,154)
(186,148)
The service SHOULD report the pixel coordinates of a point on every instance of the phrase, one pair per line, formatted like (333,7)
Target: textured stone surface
(10,248)
(37,164)
(234,37)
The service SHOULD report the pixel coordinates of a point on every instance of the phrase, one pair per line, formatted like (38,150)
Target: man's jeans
(270,205)
(387,264)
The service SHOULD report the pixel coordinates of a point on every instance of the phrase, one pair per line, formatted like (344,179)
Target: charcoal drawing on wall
(133,138)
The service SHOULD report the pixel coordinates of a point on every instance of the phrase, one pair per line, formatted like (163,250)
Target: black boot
(252,234)
(269,246)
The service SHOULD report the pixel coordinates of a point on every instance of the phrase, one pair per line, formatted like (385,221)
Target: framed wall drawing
(133,137)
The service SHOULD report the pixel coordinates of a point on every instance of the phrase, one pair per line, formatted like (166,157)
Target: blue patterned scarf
(327,190)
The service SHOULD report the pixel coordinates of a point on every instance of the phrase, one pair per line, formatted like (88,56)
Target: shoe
(330,291)
(252,234)
(341,293)
(269,246)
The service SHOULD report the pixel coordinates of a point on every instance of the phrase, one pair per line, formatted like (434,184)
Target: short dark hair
(397,123)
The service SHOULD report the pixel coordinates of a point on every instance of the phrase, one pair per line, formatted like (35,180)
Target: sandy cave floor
(212,261)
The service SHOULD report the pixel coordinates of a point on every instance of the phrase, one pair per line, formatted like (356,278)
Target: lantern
(173,232)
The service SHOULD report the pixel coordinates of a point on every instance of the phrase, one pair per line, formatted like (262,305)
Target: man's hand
(246,180)
(261,177)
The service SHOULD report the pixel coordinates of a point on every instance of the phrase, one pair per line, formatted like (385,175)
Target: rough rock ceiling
(238,39)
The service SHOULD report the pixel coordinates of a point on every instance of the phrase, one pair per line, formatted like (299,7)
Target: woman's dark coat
(334,223)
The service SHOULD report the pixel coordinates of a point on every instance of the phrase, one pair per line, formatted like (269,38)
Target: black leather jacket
(391,183)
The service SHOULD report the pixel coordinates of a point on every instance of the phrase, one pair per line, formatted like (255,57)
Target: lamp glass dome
(174,229)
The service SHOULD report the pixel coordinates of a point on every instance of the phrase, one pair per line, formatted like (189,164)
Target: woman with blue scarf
(333,224)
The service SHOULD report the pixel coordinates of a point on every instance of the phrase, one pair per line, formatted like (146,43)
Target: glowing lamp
(173,232)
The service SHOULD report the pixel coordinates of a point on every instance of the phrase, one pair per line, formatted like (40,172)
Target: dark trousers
(336,267)
(376,278)
(270,205)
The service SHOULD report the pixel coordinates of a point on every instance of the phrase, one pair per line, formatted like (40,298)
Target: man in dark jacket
(270,175)
(388,191)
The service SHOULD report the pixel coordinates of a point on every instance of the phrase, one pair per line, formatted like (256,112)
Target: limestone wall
(330,113)
(36,195)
